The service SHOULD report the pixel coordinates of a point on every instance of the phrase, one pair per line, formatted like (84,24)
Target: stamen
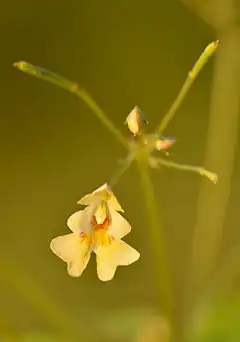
(103,226)
(106,223)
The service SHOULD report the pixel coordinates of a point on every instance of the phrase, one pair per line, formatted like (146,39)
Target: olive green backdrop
(54,150)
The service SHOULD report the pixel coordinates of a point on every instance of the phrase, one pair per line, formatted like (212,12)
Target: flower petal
(81,221)
(119,225)
(103,193)
(74,250)
(110,257)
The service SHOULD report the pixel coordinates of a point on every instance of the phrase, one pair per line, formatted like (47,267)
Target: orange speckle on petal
(106,224)
(110,238)
(91,240)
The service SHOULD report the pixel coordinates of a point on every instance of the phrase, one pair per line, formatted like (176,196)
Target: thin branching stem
(74,88)
(125,166)
(223,127)
(183,167)
(192,75)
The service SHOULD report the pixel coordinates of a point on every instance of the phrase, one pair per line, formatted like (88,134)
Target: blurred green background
(54,151)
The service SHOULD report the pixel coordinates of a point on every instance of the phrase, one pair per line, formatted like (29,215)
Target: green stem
(126,164)
(192,75)
(197,169)
(222,144)
(164,282)
(74,88)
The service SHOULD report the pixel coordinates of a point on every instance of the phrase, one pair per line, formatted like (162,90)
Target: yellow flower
(98,228)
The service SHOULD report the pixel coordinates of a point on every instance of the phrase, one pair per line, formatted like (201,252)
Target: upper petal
(74,250)
(103,193)
(119,225)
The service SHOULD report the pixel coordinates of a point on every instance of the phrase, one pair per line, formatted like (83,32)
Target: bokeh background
(54,151)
